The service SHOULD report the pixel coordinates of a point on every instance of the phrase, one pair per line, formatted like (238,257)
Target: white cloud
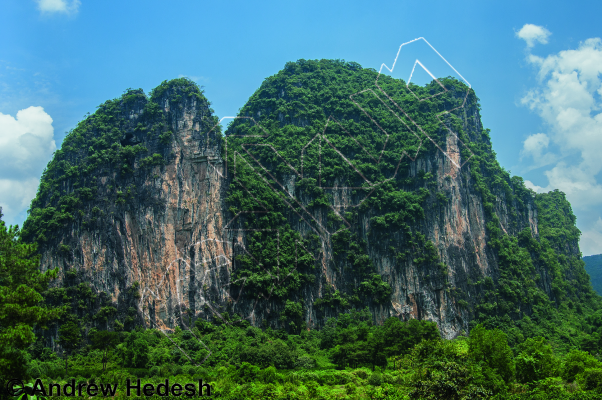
(26,145)
(16,197)
(591,239)
(58,6)
(580,187)
(568,100)
(26,142)
(534,187)
(535,146)
(533,34)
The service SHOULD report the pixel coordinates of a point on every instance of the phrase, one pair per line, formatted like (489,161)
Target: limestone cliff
(174,221)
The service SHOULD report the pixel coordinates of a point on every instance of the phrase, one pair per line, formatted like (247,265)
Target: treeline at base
(350,358)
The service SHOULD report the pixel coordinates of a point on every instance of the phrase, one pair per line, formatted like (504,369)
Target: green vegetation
(304,113)
(69,338)
(101,160)
(536,324)
(593,266)
(21,307)
(351,358)
(540,287)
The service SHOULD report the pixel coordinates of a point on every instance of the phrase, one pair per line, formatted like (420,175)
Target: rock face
(171,248)
(168,236)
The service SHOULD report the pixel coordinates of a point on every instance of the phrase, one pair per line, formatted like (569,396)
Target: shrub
(310,376)
(552,388)
(268,375)
(576,362)
(448,380)
(360,373)
(118,377)
(35,370)
(591,379)
(350,388)
(343,377)
(305,362)
(248,372)
(177,370)
(390,379)
(312,389)
(536,361)
(376,379)
(139,372)
(79,380)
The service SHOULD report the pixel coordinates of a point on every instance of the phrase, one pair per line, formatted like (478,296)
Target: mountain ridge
(426,240)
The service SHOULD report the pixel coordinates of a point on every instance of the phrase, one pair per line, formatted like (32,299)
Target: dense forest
(526,338)
(350,358)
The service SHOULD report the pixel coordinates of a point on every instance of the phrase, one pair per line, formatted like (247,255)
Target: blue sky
(538,84)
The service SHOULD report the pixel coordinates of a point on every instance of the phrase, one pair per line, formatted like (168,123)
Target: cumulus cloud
(26,142)
(592,238)
(533,34)
(568,100)
(535,146)
(26,145)
(534,187)
(58,6)
(16,197)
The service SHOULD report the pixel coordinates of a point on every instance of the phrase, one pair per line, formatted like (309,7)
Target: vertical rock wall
(176,240)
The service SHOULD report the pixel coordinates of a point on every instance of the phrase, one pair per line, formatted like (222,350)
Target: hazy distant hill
(593,266)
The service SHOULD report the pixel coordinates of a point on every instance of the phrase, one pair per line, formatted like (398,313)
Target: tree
(135,352)
(490,347)
(576,362)
(21,285)
(105,340)
(447,380)
(591,379)
(400,337)
(328,334)
(69,338)
(293,311)
(535,361)
(376,349)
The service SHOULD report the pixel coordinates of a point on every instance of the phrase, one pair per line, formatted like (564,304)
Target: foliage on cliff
(541,324)
(312,124)
(124,139)
(542,288)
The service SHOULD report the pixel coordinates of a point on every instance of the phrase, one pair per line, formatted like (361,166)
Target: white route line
(435,50)
(141,303)
(324,230)
(436,115)
(323,233)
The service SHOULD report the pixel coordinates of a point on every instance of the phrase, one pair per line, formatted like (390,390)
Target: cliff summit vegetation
(358,206)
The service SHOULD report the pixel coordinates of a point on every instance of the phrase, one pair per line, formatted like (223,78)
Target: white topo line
(226,260)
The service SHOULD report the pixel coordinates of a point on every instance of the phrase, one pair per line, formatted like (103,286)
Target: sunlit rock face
(173,245)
